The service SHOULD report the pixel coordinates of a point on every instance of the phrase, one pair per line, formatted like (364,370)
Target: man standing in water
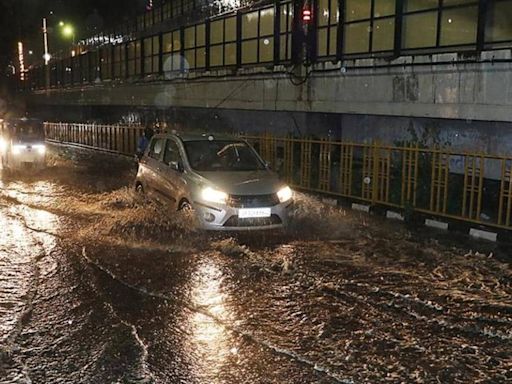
(143,142)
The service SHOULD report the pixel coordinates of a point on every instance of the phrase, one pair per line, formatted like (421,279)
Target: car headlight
(284,194)
(16,149)
(214,195)
(41,148)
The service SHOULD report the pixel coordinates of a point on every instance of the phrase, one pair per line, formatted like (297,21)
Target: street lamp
(68,31)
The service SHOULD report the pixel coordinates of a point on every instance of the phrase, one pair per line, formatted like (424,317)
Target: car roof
(186,136)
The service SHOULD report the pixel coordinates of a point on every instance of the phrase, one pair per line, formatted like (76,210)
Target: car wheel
(185,206)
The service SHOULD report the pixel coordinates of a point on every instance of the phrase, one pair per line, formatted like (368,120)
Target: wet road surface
(98,285)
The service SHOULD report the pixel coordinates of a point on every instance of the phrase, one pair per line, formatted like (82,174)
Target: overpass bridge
(437,72)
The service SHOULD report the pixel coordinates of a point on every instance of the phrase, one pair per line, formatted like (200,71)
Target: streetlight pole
(45,40)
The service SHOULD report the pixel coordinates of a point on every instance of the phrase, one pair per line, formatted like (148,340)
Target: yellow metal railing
(473,187)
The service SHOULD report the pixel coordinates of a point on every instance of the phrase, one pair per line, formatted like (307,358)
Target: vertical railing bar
(439,181)
(388,175)
(415,183)
(410,175)
(502,190)
(446,174)
(464,197)
(375,169)
(472,187)
(480,187)
(509,197)
(403,181)
(432,181)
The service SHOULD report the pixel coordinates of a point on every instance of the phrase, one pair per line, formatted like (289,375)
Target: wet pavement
(98,285)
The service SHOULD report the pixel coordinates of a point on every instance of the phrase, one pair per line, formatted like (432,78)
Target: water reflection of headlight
(208,334)
(3,145)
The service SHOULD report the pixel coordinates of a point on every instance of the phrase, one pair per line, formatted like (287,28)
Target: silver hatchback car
(223,179)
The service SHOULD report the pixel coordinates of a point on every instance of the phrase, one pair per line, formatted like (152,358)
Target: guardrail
(120,139)
(472,187)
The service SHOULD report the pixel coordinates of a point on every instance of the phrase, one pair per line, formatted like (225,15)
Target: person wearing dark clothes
(142,143)
(149,133)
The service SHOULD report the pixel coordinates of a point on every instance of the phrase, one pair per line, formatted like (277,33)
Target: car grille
(235,221)
(253,201)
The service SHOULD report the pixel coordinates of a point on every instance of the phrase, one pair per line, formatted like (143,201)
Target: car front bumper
(226,218)
(27,160)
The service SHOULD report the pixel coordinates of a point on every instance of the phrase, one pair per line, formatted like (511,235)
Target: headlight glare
(3,145)
(284,194)
(40,148)
(214,195)
(16,149)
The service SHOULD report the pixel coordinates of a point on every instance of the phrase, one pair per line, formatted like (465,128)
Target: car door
(172,172)
(152,163)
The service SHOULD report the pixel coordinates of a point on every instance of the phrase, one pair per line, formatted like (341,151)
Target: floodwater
(98,285)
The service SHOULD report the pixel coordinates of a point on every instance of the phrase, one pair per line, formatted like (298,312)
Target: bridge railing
(116,138)
(468,186)
(472,187)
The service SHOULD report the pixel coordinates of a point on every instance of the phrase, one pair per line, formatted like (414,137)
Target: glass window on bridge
(454,23)
(94,67)
(84,67)
(188,6)
(140,22)
(134,54)
(106,62)
(258,36)
(327,20)
(77,73)
(68,71)
(166,11)
(223,42)
(285,31)
(171,48)
(157,14)
(119,61)
(195,47)
(151,55)
(369,26)
(498,29)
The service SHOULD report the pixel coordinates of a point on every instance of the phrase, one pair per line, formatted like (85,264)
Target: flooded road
(98,285)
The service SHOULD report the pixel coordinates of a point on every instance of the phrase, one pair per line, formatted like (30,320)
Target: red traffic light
(306,15)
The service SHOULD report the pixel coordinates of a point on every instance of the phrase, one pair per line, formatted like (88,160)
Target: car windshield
(28,131)
(222,155)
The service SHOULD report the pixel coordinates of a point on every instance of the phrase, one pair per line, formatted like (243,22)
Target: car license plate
(246,213)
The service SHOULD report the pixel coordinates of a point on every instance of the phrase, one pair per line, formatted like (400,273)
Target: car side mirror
(176,166)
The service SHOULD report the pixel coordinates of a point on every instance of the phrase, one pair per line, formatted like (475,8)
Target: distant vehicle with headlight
(22,144)
(222,179)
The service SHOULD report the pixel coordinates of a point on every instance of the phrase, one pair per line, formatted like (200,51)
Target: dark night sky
(21,19)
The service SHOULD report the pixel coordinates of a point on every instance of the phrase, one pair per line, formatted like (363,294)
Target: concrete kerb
(485,235)
(436,224)
(392,215)
(361,207)
(428,222)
